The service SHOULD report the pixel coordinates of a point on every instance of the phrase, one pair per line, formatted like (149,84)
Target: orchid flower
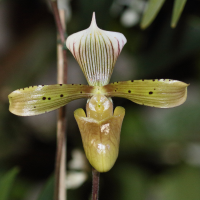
(96,51)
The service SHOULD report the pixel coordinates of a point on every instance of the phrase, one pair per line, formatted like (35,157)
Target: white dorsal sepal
(96,51)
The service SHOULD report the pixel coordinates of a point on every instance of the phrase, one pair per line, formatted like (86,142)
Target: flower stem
(60,191)
(95,184)
(58,20)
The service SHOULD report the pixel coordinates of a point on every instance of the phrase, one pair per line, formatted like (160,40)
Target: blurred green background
(159,157)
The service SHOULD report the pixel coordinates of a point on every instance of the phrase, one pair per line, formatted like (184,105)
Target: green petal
(161,93)
(177,10)
(151,12)
(96,51)
(36,100)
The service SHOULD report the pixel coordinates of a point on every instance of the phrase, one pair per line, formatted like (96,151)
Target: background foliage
(159,154)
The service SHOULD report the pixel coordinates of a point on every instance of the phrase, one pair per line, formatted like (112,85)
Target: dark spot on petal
(42,85)
(117,82)
(142,79)
(154,88)
(115,90)
(81,92)
(169,79)
(61,95)
(79,84)
(129,91)
(150,92)
(153,79)
(163,79)
(132,80)
(34,106)
(158,79)
(23,88)
(60,84)
(72,84)
(49,98)
(43,98)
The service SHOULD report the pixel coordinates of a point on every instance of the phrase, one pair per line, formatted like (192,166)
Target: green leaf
(161,93)
(36,100)
(6,183)
(48,191)
(151,12)
(177,10)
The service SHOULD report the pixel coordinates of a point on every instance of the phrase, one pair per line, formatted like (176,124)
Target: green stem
(60,191)
(61,31)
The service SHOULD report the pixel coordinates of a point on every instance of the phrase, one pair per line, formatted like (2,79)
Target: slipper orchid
(96,51)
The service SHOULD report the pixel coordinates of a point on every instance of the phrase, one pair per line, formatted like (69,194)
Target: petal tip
(93,22)
(93,19)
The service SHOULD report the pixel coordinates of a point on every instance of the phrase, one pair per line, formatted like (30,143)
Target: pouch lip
(91,120)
